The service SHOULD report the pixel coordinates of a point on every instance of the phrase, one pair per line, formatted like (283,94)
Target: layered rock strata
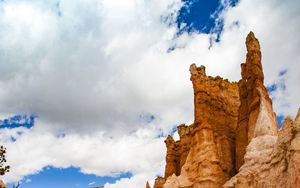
(234,140)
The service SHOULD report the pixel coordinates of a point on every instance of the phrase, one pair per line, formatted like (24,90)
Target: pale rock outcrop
(272,161)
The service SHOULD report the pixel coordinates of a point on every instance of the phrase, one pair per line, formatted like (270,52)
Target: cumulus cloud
(85,66)
(91,69)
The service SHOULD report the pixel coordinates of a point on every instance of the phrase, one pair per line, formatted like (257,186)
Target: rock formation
(234,140)
(2,184)
(159,182)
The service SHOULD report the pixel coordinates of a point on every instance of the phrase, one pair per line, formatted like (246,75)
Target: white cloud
(87,66)
(91,73)
(138,153)
(92,183)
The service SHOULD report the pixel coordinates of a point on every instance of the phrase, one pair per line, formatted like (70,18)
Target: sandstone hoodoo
(234,140)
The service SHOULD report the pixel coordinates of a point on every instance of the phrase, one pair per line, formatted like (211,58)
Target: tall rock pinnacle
(256,116)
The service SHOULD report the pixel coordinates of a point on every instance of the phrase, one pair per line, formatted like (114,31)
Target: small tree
(3,168)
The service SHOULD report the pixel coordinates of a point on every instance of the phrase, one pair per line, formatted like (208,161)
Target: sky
(89,89)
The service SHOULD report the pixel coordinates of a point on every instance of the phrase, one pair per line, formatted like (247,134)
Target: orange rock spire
(256,106)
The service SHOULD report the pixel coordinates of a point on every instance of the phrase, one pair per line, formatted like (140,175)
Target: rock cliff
(234,140)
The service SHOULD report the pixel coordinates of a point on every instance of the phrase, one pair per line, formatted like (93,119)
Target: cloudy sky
(89,89)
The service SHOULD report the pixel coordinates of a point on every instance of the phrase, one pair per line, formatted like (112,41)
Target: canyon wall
(234,140)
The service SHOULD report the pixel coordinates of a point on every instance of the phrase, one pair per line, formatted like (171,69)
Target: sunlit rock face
(234,140)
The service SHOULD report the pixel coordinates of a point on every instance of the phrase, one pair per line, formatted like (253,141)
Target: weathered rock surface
(234,140)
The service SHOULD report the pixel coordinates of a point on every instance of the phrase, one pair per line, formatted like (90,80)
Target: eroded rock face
(216,102)
(234,140)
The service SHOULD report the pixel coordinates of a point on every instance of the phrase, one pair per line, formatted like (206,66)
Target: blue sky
(112,79)
(201,16)
(18,121)
(67,178)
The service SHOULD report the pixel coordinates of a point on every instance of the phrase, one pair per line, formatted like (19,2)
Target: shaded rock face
(234,140)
